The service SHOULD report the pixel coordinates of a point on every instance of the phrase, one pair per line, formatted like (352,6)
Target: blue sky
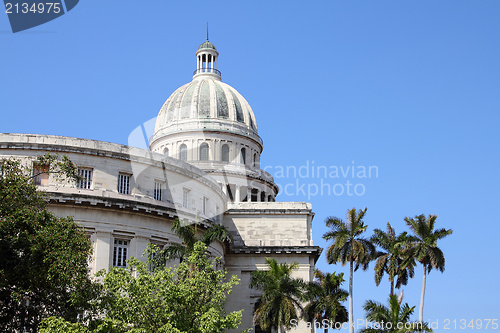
(409,87)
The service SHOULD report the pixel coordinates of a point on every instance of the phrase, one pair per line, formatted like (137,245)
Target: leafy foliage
(44,266)
(281,297)
(423,242)
(349,247)
(187,233)
(325,296)
(189,298)
(395,318)
(423,247)
(392,260)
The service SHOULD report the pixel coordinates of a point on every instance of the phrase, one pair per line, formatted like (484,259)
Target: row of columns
(210,62)
(239,193)
(214,151)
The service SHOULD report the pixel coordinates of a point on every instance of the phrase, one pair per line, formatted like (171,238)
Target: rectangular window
(205,205)
(185,198)
(86,178)
(120,253)
(41,175)
(158,191)
(123,183)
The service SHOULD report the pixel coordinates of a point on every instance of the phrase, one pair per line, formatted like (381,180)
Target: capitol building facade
(202,166)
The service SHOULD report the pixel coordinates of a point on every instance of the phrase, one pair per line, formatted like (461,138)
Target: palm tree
(394,319)
(392,261)
(423,247)
(325,296)
(187,233)
(349,247)
(281,295)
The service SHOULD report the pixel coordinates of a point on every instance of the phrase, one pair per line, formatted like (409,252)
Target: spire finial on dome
(206,60)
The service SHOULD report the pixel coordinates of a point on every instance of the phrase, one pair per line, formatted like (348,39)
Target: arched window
(255,160)
(243,156)
(183,152)
(204,152)
(166,152)
(225,153)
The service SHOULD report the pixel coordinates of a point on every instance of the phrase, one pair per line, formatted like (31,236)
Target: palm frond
(216,233)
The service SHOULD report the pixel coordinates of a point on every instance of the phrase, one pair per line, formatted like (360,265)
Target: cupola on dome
(207,45)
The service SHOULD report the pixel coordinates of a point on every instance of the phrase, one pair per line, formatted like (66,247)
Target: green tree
(44,266)
(325,297)
(394,319)
(423,247)
(392,260)
(349,247)
(188,298)
(280,302)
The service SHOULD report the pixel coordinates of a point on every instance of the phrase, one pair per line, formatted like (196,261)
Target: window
(243,157)
(123,183)
(120,253)
(183,152)
(185,198)
(205,205)
(166,152)
(254,160)
(225,153)
(158,191)
(41,175)
(86,178)
(204,152)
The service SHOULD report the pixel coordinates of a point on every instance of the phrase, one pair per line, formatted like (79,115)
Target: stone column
(237,193)
(102,251)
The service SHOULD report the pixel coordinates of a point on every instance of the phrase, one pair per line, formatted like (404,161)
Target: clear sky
(410,88)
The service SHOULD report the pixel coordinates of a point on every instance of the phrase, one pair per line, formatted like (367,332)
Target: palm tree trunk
(351,320)
(392,287)
(421,311)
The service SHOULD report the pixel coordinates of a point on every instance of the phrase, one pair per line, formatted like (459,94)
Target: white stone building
(203,167)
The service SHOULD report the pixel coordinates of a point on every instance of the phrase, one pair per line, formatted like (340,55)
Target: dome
(207,100)
(206,104)
(209,124)
(207,45)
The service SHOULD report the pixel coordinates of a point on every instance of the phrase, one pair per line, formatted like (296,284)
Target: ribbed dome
(206,99)
(207,45)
